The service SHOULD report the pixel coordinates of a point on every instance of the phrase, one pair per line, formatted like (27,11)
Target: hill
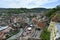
(22,10)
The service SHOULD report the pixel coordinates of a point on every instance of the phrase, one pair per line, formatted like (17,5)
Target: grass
(45,34)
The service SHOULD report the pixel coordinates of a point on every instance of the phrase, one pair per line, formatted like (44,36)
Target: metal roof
(2,28)
(58,27)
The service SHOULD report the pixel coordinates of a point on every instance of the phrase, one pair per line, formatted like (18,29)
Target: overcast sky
(28,3)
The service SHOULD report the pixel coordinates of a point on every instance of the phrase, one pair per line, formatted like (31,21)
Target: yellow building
(53,30)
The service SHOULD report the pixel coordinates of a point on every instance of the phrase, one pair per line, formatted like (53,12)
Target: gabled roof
(58,30)
(2,28)
(58,27)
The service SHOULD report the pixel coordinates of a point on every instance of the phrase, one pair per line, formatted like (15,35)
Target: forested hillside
(22,10)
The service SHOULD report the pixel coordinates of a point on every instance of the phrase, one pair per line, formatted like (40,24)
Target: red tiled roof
(55,18)
(42,24)
(1,35)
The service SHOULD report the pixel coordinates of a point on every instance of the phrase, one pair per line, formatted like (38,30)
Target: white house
(58,30)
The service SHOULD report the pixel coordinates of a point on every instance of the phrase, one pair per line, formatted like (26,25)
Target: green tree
(52,12)
(45,35)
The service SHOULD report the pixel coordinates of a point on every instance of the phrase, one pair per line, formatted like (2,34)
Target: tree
(45,35)
(52,12)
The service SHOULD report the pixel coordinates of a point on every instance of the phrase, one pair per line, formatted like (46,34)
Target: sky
(29,3)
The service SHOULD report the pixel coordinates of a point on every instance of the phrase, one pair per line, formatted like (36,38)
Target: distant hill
(22,10)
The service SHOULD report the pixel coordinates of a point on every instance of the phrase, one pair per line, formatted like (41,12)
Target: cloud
(24,3)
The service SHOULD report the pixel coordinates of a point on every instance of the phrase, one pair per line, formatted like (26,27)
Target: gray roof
(2,28)
(58,27)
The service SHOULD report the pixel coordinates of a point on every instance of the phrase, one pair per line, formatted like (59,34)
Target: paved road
(15,36)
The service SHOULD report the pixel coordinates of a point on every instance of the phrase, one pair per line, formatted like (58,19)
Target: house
(55,18)
(53,30)
(3,31)
(34,21)
(42,24)
(3,28)
(1,35)
(58,31)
